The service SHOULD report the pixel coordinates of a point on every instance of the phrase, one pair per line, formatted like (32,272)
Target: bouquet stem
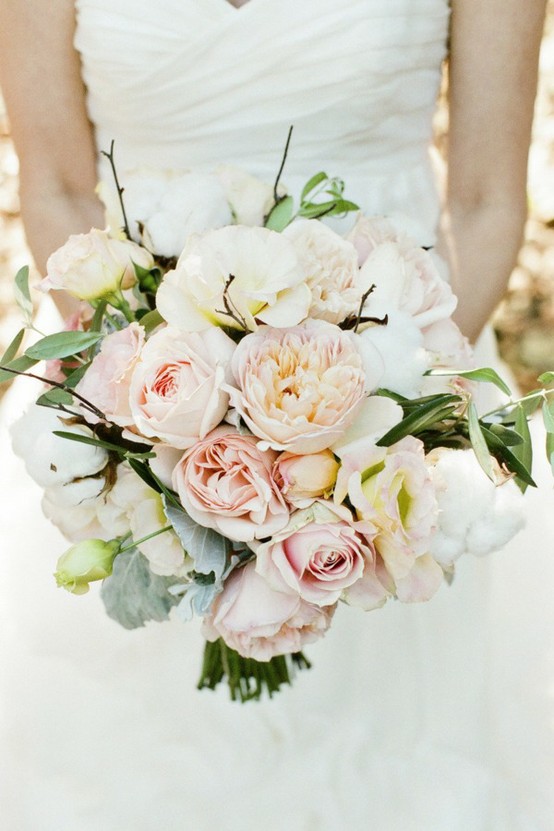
(246,677)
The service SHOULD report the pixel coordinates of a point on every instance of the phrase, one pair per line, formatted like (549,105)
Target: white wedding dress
(433,717)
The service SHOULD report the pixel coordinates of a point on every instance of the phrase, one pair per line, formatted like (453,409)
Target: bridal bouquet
(252,418)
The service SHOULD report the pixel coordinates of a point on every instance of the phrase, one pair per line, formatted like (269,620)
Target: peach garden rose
(299,389)
(226,482)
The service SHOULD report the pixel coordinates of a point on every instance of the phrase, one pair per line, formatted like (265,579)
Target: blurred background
(524,322)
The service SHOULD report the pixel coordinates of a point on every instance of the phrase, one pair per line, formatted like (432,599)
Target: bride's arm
(492,84)
(41,83)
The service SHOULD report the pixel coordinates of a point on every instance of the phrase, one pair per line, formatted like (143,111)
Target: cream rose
(237,277)
(259,622)
(299,389)
(176,388)
(225,482)
(94,265)
(302,479)
(320,555)
(331,267)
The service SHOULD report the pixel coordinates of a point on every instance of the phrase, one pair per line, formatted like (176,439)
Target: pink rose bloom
(302,479)
(320,555)
(225,482)
(392,489)
(370,232)
(259,622)
(299,389)
(94,265)
(107,380)
(176,392)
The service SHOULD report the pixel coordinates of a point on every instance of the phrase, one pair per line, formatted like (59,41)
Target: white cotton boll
(475,516)
(400,343)
(75,493)
(77,523)
(49,459)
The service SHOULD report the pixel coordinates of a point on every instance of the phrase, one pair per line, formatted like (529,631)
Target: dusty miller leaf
(133,594)
(205,546)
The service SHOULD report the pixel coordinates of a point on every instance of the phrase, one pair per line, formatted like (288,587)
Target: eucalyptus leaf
(62,345)
(280,215)
(207,548)
(524,451)
(21,364)
(13,348)
(55,398)
(312,183)
(22,293)
(479,443)
(548,415)
(547,378)
(420,418)
(484,374)
(133,595)
(506,456)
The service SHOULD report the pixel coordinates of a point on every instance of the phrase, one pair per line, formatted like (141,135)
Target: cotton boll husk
(400,343)
(475,516)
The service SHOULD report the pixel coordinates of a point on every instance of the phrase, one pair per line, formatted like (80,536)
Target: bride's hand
(40,75)
(492,83)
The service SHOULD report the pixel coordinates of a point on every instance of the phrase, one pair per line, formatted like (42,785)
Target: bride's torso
(192,83)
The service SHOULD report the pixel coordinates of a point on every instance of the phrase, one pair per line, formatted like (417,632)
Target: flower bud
(85,562)
(305,477)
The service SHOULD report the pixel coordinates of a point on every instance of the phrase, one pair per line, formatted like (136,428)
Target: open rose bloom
(261,420)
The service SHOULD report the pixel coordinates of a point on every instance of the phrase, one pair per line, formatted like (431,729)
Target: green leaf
(133,594)
(98,317)
(280,215)
(531,402)
(62,345)
(21,364)
(524,451)
(507,458)
(312,183)
(550,449)
(484,374)
(421,418)
(77,375)
(121,450)
(506,436)
(54,398)
(479,443)
(207,548)
(151,320)
(13,348)
(22,293)
(548,415)
(547,378)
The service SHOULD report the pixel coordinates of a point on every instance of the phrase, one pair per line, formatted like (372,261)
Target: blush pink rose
(259,622)
(176,393)
(320,555)
(299,389)
(107,380)
(225,482)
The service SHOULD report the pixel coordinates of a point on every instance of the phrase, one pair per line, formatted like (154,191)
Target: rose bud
(301,479)
(85,562)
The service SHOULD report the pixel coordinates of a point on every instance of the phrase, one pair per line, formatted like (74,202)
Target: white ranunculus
(237,277)
(49,459)
(169,206)
(331,266)
(250,198)
(475,516)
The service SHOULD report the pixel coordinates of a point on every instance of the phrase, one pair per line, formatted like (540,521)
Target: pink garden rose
(369,232)
(259,622)
(302,479)
(176,390)
(225,482)
(107,381)
(94,265)
(299,389)
(392,489)
(320,555)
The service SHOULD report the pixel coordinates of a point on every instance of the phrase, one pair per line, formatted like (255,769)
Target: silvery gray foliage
(195,598)
(205,546)
(133,594)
